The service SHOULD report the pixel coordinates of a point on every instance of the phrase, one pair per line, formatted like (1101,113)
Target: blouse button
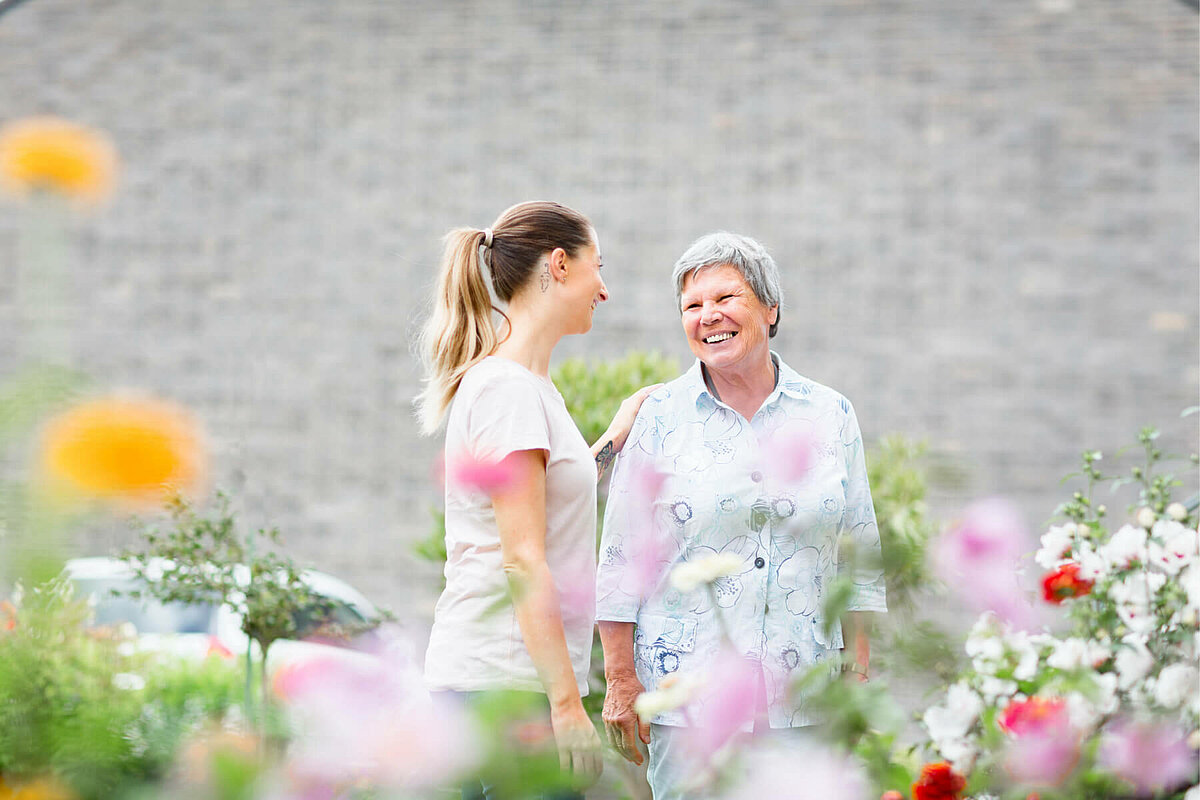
(760,562)
(756,476)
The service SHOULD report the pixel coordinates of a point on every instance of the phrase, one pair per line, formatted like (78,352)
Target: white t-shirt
(500,408)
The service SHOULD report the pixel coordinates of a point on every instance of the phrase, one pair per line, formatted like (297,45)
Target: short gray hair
(742,253)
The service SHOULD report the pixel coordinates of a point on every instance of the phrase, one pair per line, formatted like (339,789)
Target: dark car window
(340,614)
(146,614)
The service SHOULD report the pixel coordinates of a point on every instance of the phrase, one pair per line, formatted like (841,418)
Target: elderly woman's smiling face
(726,325)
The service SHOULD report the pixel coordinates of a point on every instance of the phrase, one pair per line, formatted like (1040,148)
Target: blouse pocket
(660,645)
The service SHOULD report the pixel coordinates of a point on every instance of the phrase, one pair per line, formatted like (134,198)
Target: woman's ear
(558,264)
(774,317)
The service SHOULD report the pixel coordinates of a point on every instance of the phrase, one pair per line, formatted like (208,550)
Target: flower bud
(1177,512)
(1146,517)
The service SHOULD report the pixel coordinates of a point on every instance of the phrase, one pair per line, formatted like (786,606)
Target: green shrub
(85,706)
(593,391)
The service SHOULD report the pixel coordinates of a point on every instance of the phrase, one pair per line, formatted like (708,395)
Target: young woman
(520,542)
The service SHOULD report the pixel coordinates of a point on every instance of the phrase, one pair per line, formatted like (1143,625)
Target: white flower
(1174,546)
(1193,793)
(1190,581)
(128,681)
(1074,653)
(1134,598)
(1126,545)
(1092,566)
(953,719)
(706,569)
(1056,543)
(994,688)
(1107,701)
(1146,516)
(1133,662)
(1027,656)
(961,753)
(673,691)
(1176,684)
(984,645)
(1177,512)
(1083,712)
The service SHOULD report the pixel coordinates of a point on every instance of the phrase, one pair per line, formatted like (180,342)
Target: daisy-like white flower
(706,569)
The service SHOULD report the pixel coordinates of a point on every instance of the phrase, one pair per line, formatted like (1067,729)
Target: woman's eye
(725,297)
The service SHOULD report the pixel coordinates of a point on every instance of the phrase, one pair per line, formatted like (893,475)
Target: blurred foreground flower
(372,721)
(705,569)
(1044,747)
(978,560)
(485,476)
(807,771)
(1149,755)
(131,451)
(723,706)
(41,789)
(54,155)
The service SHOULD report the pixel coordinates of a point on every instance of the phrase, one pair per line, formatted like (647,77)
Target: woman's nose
(709,314)
(603,292)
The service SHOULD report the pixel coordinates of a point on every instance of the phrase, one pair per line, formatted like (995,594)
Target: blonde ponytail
(459,333)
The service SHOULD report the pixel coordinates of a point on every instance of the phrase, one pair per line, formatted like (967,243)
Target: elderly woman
(742,458)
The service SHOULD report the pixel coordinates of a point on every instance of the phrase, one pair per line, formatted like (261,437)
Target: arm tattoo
(604,458)
(545,277)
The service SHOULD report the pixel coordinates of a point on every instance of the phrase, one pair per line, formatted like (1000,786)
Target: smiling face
(725,323)
(584,286)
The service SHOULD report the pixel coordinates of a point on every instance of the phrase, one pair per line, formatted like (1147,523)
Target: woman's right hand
(579,748)
(618,429)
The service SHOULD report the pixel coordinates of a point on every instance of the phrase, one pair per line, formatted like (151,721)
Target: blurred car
(199,630)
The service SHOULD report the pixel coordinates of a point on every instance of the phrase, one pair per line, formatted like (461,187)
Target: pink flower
(1044,748)
(802,770)
(978,558)
(789,454)
(1151,756)
(360,718)
(648,550)
(1035,715)
(483,475)
(724,706)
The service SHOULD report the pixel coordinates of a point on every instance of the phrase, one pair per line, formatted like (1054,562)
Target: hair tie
(487,237)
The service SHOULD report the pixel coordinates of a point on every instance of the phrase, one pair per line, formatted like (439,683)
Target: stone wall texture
(986,214)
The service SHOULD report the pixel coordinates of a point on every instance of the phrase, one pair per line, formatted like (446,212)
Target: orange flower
(938,782)
(58,156)
(8,617)
(124,449)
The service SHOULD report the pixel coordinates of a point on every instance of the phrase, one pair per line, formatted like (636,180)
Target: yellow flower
(123,449)
(58,156)
(40,789)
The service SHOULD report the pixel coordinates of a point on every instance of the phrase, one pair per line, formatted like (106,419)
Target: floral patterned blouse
(783,492)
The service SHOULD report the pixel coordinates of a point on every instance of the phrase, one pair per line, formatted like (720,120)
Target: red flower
(938,782)
(1064,582)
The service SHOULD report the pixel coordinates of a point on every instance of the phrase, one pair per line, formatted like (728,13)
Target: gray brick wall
(986,212)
